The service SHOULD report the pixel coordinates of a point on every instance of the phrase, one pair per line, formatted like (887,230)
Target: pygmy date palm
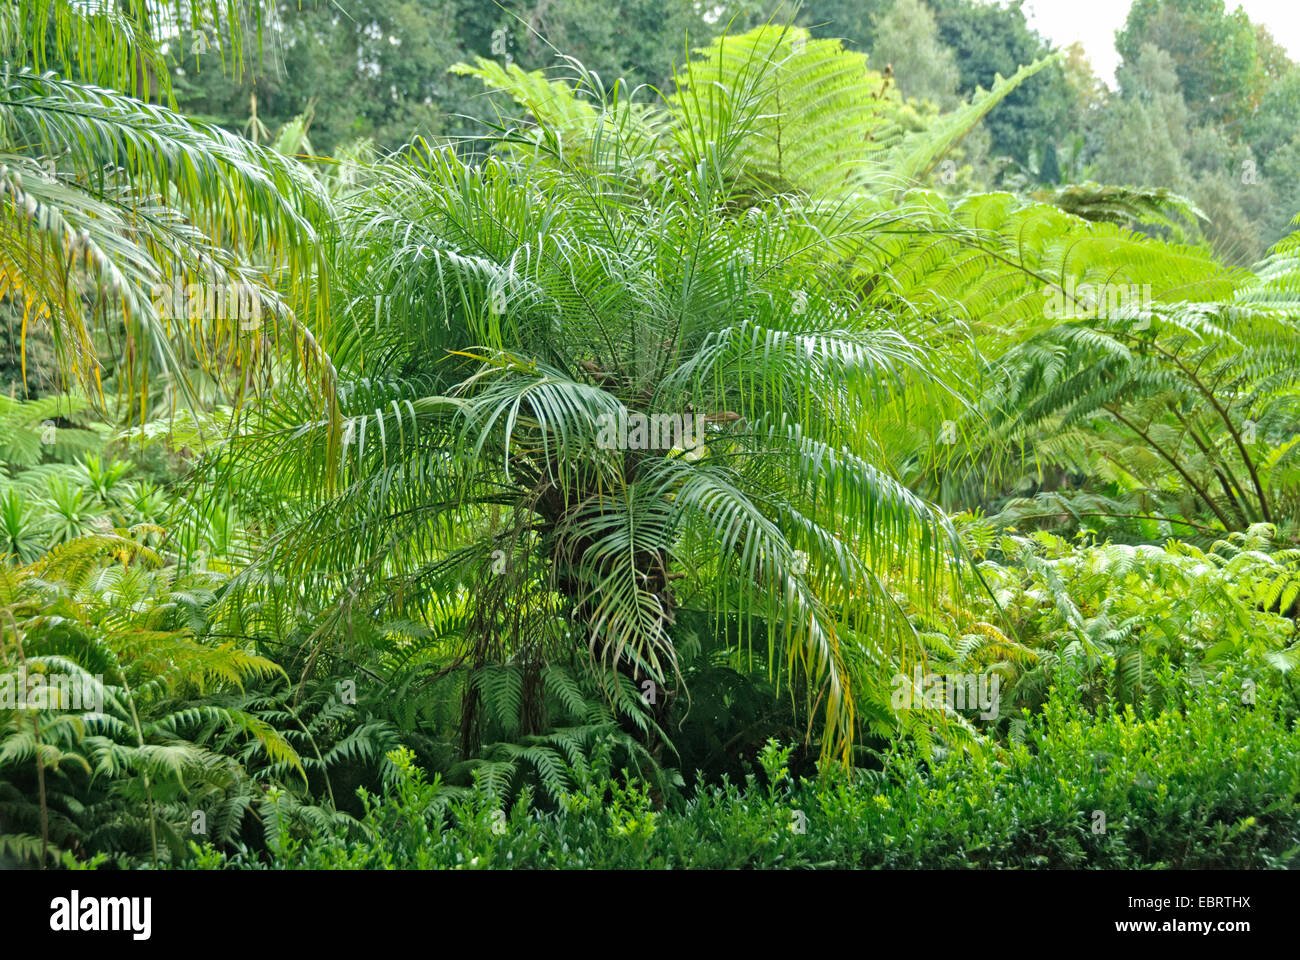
(532,343)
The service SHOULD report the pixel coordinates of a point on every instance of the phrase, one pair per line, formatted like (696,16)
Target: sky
(1094,22)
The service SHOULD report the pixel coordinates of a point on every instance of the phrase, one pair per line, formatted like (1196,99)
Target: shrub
(1206,782)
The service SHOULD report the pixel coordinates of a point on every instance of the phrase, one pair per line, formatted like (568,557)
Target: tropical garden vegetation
(680,439)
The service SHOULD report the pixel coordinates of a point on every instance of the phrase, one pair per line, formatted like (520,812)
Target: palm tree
(517,328)
(588,387)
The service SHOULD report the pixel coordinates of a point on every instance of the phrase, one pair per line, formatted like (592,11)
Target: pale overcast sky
(1094,22)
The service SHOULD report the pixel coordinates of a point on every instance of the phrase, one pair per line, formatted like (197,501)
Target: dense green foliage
(1210,785)
(724,406)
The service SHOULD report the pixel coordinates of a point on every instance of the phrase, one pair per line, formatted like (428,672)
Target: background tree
(372,69)
(1241,175)
(379,68)
(907,39)
(1145,129)
(1215,53)
(990,39)
(851,21)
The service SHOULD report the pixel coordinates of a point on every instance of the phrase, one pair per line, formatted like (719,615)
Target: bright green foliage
(1208,784)
(1108,614)
(803,113)
(112,769)
(380,71)
(30,431)
(1179,410)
